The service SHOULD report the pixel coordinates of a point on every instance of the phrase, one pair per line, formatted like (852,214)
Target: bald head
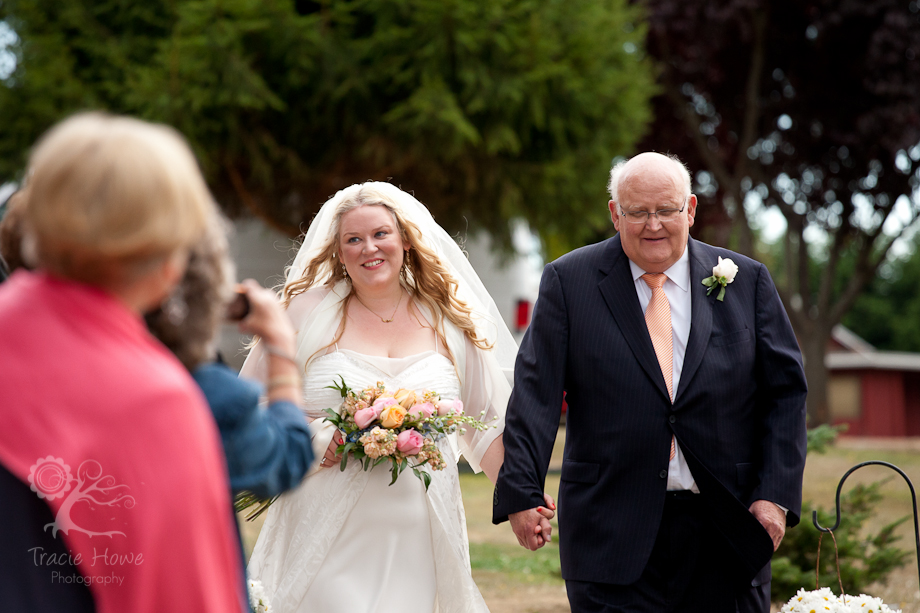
(648,170)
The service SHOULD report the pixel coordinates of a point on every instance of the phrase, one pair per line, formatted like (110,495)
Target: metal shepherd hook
(913,497)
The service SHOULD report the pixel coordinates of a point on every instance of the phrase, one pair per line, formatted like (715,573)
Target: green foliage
(864,558)
(887,314)
(823,436)
(486,110)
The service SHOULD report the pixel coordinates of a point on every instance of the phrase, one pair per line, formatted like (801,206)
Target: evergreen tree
(486,110)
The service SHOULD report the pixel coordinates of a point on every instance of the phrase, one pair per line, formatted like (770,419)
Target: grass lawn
(514,580)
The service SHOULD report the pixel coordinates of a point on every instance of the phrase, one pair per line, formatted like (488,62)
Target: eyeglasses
(663,215)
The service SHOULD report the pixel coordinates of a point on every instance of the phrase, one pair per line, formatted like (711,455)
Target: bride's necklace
(386,321)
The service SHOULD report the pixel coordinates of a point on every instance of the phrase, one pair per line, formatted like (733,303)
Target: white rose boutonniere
(723,273)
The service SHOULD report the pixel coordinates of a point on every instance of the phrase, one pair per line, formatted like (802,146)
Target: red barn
(876,393)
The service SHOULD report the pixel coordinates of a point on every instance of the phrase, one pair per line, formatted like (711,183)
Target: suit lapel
(700,314)
(619,292)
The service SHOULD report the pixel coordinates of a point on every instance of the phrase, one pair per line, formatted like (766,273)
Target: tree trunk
(744,233)
(814,347)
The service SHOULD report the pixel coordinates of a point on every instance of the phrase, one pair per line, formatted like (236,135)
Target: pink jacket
(109,429)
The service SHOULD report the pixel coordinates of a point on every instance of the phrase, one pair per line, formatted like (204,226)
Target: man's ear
(691,208)
(614,214)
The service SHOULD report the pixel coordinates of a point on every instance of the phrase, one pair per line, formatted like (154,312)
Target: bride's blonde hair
(422,272)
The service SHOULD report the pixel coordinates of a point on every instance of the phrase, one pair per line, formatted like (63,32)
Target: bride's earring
(342,264)
(404,269)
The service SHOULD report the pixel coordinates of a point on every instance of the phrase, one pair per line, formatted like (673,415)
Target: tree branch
(830,272)
(105,503)
(752,107)
(693,123)
(866,268)
(804,278)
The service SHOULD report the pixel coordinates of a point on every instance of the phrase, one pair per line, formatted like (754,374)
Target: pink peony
(422,410)
(381,403)
(409,442)
(450,406)
(365,417)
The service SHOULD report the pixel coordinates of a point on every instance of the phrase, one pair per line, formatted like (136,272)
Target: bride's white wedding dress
(348,541)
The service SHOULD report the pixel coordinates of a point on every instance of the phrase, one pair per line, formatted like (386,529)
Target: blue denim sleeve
(268,451)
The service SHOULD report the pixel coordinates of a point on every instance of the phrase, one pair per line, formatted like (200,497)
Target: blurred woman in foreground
(107,446)
(268,451)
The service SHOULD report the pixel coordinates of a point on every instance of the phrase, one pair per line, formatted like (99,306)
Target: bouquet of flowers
(824,600)
(377,426)
(400,427)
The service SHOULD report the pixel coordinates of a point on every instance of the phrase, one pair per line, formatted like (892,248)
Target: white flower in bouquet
(258,601)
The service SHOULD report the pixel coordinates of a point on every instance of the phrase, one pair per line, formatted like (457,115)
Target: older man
(685,441)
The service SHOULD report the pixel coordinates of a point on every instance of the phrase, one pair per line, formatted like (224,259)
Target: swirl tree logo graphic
(50,478)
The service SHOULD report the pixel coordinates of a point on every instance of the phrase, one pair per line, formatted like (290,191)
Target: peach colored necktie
(658,320)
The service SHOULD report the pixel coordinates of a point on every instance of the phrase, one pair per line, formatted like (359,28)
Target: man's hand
(771,517)
(532,527)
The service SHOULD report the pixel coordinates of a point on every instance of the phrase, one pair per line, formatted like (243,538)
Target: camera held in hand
(238,307)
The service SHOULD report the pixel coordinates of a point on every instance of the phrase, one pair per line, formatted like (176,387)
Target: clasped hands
(532,527)
(533,530)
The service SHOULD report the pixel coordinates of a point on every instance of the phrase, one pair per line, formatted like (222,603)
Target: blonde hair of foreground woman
(109,198)
(423,272)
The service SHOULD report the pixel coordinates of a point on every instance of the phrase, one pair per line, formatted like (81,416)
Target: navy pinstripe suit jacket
(738,414)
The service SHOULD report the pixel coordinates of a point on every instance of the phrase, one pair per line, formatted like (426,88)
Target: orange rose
(406,398)
(392,416)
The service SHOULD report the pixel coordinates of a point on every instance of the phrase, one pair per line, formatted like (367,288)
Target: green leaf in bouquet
(246,500)
(340,387)
(394,471)
(423,476)
(334,418)
(380,460)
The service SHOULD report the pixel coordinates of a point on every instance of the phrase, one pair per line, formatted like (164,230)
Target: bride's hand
(549,511)
(330,458)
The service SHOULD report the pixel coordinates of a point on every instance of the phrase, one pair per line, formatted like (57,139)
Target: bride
(380,292)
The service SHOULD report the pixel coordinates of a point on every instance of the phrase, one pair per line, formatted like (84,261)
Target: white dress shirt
(677,289)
